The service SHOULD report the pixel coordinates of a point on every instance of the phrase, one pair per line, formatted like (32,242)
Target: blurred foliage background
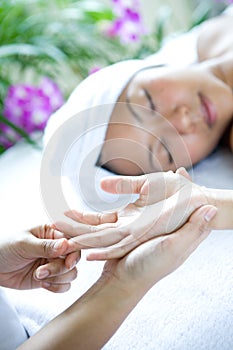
(65,40)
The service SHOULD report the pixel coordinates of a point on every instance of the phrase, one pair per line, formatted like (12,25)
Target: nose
(182,120)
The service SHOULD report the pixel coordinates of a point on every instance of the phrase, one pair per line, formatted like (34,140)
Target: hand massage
(134,184)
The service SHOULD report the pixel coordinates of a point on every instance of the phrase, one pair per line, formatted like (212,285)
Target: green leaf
(20,131)
(31,50)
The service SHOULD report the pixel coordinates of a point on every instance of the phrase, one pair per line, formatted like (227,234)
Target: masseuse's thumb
(197,228)
(48,248)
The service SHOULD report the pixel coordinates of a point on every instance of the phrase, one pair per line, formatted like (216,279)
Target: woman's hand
(33,259)
(166,201)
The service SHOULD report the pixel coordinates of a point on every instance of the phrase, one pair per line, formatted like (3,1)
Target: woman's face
(183,115)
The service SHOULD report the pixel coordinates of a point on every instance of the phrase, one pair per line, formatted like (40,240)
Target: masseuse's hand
(151,261)
(33,259)
(166,201)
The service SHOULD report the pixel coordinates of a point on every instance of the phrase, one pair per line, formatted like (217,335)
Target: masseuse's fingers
(158,257)
(55,287)
(91,218)
(34,247)
(189,236)
(55,272)
(73,258)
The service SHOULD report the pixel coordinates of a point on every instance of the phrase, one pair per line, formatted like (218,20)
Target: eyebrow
(151,102)
(134,113)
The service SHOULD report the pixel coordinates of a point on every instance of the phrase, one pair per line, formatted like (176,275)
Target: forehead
(165,72)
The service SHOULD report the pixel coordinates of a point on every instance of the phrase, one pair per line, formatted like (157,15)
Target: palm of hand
(166,201)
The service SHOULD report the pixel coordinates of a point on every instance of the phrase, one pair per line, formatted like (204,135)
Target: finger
(54,268)
(34,247)
(184,240)
(91,218)
(46,232)
(72,259)
(56,288)
(182,171)
(198,222)
(71,230)
(123,184)
(116,251)
(65,278)
(100,239)
(189,236)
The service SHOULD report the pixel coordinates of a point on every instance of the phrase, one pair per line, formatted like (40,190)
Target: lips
(208,110)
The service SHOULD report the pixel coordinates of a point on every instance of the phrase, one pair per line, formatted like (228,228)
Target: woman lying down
(147,239)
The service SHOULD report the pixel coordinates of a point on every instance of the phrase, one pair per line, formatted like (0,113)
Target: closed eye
(151,103)
(170,158)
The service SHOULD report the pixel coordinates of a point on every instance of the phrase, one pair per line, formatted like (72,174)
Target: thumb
(47,248)
(123,184)
(199,223)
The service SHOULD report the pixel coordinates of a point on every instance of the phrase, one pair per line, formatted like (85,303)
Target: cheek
(127,158)
(198,148)
(126,151)
(169,94)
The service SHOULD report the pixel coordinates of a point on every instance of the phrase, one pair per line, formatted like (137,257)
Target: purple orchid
(128,25)
(29,108)
(94,70)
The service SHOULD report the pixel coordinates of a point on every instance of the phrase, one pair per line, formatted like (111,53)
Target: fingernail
(210,213)
(40,274)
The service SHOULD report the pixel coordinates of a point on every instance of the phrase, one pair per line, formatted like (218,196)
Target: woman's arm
(166,201)
(223,200)
(93,319)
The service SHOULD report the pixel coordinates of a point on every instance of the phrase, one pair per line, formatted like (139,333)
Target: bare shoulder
(215,37)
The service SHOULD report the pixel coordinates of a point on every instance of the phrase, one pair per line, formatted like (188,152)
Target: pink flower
(29,108)
(8,137)
(128,25)
(94,70)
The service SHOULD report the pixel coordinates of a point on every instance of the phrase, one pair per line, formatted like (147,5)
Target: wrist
(210,195)
(121,286)
(223,201)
